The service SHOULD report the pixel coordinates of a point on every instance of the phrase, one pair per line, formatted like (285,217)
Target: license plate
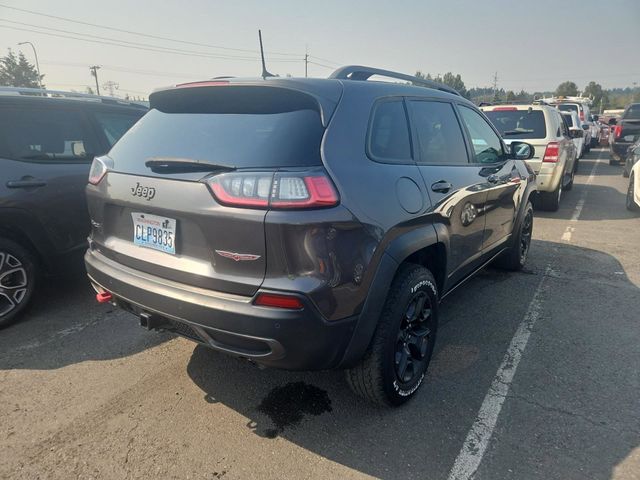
(154,232)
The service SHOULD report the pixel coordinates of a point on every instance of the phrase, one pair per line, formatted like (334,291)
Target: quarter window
(486,143)
(389,133)
(440,139)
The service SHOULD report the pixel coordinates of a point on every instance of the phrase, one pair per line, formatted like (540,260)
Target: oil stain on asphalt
(288,404)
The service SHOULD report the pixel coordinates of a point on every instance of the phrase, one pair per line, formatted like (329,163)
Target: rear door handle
(31,183)
(442,186)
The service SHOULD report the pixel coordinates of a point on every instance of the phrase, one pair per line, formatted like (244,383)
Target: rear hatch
(629,125)
(188,188)
(523,124)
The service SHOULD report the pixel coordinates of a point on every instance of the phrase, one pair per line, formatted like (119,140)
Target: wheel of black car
(613,162)
(17,280)
(516,256)
(631,203)
(395,364)
(625,172)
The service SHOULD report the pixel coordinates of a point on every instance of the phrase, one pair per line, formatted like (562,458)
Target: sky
(532,45)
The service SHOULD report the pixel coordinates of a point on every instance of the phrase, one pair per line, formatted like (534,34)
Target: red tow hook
(103,297)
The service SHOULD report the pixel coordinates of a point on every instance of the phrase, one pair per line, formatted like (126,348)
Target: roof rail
(358,72)
(87,97)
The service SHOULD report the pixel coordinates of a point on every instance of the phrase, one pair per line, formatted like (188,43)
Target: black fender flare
(395,252)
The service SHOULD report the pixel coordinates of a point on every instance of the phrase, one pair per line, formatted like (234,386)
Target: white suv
(554,159)
(579,105)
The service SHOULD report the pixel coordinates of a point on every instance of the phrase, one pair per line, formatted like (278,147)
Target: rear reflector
(103,297)
(283,190)
(278,301)
(551,153)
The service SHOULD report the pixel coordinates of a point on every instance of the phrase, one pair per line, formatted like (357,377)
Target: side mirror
(576,133)
(613,121)
(521,151)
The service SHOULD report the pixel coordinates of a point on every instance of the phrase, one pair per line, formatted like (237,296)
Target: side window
(388,139)
(486,143)
(564,130)
(45,135)
(438,132)
(114,125)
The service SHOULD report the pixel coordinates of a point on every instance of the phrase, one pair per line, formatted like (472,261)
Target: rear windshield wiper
(183,165)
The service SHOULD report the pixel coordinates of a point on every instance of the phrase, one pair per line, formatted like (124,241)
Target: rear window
(45,135)
(226,127)
(633,112)
(519,123)
(567,107)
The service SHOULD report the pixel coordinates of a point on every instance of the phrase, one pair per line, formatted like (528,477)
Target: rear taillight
(504,109)
(617,131)
(99,168)
(582,116)
(273,300)
(551,152)
(285,190)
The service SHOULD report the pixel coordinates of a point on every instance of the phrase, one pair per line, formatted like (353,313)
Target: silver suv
(555,158)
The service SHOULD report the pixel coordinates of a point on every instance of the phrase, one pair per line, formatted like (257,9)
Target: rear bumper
(548,180)
(289,339)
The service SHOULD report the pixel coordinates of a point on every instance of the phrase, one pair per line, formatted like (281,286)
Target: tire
(569,184)
(18,278)
(550,201)
(613,162)
(516,256)
(630,202)
(396,361)
(625,172)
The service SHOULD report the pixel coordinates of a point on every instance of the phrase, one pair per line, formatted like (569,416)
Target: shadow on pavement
(317,412)
(65,325)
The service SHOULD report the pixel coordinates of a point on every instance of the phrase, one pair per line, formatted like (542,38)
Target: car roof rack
(359,72)
(87,97)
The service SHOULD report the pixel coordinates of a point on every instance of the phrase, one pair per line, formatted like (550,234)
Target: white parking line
(566,236)
(477,440)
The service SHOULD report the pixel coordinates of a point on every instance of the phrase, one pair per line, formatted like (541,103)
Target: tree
(511,96)
(16,71)
(567,89)
(449,79)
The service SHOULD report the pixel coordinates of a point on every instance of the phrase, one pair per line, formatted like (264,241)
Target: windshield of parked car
(568,107)
(519,123)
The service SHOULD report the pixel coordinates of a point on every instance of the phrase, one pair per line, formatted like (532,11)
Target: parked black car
(46,147)
(633,155)
(624,133)
(308,223)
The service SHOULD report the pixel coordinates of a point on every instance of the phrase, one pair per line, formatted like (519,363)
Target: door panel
(501,175)
(46,154)
(457,190)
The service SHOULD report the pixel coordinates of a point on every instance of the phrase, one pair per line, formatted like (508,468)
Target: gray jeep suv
(307,223)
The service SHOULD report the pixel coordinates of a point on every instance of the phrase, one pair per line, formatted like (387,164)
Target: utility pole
(94,72)
(495,85)
(306,65)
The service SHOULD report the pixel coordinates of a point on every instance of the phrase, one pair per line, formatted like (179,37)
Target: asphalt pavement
(536,375)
